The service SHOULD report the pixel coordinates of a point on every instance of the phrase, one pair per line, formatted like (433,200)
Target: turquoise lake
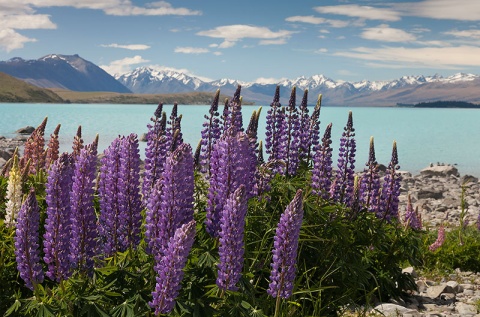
(422,135)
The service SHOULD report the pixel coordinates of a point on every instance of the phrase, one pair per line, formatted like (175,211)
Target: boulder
(439,170)
(25,130)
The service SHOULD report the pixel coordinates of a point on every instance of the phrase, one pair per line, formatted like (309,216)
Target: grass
(15,90)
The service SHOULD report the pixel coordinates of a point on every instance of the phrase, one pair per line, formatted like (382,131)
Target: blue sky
(263,40)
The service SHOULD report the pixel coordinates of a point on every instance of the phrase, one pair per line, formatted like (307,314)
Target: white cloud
(474,34)
(11,40)
(124,65)
(321,51)
(132,47)
(233,33)
(217,53)
(273,42)
(268,80)
(463,10)
(26,21)
(385,33)
(317,20)
(364,12)
(431,57)
(191,50)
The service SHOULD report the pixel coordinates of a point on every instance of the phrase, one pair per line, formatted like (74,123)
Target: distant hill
(443,104)
(15,90)
(62,71)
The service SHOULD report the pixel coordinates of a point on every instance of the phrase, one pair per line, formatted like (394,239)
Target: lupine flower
(412,218)
(14,192)
(52,148)
(120,215)
(56,240)
(77,143)
(171,202)
(252,129)
(169,268)
(155,151)
(388,207)
(27,248)
(322,166)
(172,126)
(284,251)
(370,185)
(231,166)
(304,125)
(292,122)
(231,247)
(225,117)
(34,149)
(314,128)
(346,164)
(84,220)
(355,205)
(210,134)
(196,155)
(440,239)
(130,197)
(235,107)
(272,135)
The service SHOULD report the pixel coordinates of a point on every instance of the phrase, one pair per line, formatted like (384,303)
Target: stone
(439,170)
(436,290)
(393,310)
(466,309)
(455,286)
(25,130)
(410,270)
(143,137)
(429,193)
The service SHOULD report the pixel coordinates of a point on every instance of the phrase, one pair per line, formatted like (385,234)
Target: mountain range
(74,73)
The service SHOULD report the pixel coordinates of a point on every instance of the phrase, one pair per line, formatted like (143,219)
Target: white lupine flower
(14,193)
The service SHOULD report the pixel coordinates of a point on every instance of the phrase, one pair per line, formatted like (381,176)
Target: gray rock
(25,130)
(393,310)
(143,137)
(466,309)
(426,193)
(436,290)
(439,170)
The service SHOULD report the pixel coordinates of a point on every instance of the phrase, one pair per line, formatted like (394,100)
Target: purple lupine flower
(440,239)
(412,217)
(231,167)
(231,247)
(84,220)
(314,129)
(284,251)
(130,197)
(169,268)
(355,205)
(56,240)
(120,212)
(171,202)
(370,184)
(155,151)
(322,166)
(210,134)
(271,133)
(292,144)
(388,207)
(27,248)
(304,125)
(52,148)
(77,143)
(225,117)
(346,164)
(173,124)
(252,129)
(34,149)
(235,107)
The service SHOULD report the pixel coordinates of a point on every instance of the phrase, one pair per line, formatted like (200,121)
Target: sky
(263,40)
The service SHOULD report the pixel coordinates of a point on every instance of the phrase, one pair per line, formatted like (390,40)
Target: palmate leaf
(45,310)
(123,310)
(93,310)
(14,308)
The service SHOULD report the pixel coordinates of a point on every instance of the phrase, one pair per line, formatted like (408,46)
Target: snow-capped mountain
(62,71)
(148,80)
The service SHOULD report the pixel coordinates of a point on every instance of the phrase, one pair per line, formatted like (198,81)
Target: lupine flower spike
(14,192)
(231,247)
(169,268)
(77,143)
(235,107)
(412,218)
(34,149)
(84,220)
(171,203)
(210,134)
(57,237)
(314,128)
(346,164)
(53,148)
(370,184)
(322,166)
(272,135)
(440,239)
(388,208)
(304,124)
(282,275)
(27,248)
(293,135)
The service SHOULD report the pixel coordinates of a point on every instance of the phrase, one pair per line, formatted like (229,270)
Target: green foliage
(460,250)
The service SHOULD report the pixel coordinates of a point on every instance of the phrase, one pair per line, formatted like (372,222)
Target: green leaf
(14,308)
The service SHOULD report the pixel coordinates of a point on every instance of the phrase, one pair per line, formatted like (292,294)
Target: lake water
(423,135)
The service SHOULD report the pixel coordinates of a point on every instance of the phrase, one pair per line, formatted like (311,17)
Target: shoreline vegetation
(441,104)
